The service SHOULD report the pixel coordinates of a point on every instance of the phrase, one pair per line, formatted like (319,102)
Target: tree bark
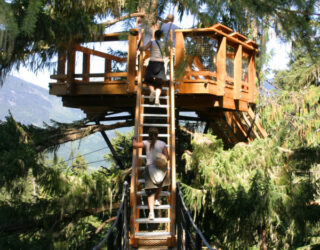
(72,134)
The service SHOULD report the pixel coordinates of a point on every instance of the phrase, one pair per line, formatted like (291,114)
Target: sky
(278,61)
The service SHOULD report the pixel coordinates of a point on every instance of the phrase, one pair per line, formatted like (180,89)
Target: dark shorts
(155,74)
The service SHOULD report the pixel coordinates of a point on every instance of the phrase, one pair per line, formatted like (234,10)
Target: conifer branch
(72,134)
(118,19)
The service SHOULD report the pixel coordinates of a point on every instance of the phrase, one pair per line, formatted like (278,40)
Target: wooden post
(237,73)
(135,155)
(172,150)
(107,68)
(221,66)
(61,64)
(86,67)
(179,54)
(71,55)
(131,62)
(252,78)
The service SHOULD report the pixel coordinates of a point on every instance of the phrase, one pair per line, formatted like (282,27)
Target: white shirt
(158,147)
(155,52)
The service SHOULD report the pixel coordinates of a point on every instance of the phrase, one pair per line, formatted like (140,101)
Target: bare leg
(158,93)
(151,203)
(151,88)
(157,196)
(152,93)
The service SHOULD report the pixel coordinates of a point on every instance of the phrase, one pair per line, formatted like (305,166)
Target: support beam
(61,63)
(131,62)
(86,67)
(252,79)
(221,65)
(237,73)
(107,69)
(71,69)
(105,137)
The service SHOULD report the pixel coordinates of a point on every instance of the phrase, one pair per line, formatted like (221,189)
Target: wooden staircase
(159,232)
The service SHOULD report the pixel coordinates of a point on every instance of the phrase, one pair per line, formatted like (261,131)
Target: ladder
(161,230)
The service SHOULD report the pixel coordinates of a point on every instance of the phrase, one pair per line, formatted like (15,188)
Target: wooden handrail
(99,54)
(111,74)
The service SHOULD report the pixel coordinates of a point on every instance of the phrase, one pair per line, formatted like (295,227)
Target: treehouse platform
(214,70)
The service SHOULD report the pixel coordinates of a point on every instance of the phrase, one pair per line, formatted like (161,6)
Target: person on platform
(166,27)
(155,72)
(155,178)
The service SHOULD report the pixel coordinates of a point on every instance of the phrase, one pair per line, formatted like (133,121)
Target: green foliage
(122,145)
(256,194)
(48,204)
(266,193)
(293,117)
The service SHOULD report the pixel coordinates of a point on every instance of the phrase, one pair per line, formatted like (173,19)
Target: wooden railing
(227,51)
(67,66)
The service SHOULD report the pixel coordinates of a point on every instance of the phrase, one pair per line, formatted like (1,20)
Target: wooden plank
(131,63)
(230,103)
(197,81)
(237,73)
(221,65)
(257,123)
(252,79)
(92,75)
(86,67)
(233,121)
(202,73)
(99,54)
(107,69)
(91,89)
(199,65)
(172,151)
(216,33)
(249,124)
(71,55)
(179,49)
(192,88)
(62,63)
(239,36)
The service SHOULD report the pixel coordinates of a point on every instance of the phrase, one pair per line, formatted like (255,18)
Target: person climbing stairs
(158,230)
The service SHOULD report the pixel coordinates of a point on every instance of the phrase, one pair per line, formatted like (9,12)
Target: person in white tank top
(153,190)
(155,72)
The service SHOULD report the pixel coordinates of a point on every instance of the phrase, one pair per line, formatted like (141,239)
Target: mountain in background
(31,104)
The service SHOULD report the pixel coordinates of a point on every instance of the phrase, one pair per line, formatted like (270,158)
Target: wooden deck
(219,74)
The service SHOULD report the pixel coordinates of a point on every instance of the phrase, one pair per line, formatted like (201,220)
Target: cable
(87,153)
(96,161)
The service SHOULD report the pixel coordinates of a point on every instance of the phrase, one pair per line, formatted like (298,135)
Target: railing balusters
(121,224)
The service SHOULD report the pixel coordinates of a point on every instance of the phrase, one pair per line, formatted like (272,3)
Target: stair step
(141,180)
(143,193)
(155,106)
(155,125)
(161,97)
(159,135)
(155,115)
(155,207)
(152,234)
(144,167)
(156,220)
(147,88)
